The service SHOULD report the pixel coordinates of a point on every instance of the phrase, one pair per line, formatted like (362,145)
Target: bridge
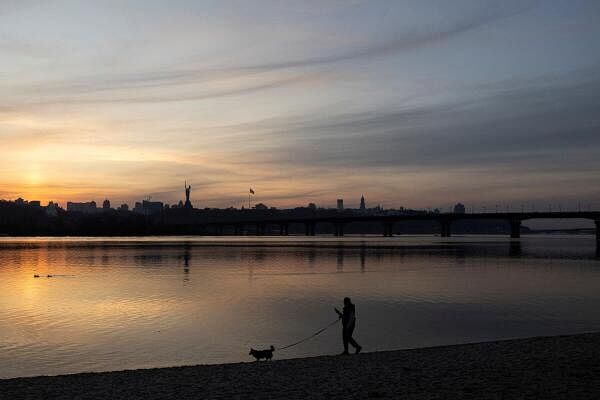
(445,221)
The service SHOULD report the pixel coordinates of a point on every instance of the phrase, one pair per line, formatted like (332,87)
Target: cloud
(171,83)
(96,93)
(398,43)
(8,7)
(542,122)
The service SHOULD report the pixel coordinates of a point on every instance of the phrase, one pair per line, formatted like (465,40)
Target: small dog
(266,354)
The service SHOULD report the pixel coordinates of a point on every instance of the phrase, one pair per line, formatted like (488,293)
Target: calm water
(131,303)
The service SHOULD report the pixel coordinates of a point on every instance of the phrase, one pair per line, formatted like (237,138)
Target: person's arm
(339,313)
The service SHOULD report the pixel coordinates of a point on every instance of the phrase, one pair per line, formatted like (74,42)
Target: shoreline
(540,367)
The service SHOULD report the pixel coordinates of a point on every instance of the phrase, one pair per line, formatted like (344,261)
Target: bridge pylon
(283,229)
(515,228)
(388,229)
(446,227)
(310,228)
(338,229)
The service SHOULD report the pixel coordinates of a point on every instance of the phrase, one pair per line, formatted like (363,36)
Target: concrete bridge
(445,221)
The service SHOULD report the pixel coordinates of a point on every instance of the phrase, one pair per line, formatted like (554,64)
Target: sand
(562,367)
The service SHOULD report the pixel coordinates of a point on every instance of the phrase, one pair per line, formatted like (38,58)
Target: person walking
(348,316)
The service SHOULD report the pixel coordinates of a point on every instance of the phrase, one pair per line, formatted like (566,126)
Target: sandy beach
(562,367)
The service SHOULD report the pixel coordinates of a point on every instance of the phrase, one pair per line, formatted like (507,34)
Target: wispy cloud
(119,95)
(525,125)
(141,85)
(398,43)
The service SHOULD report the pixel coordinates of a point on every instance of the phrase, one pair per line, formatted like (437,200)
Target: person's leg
(345,337)
(351,340)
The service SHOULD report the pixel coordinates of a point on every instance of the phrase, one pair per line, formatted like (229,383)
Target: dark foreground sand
(563,367)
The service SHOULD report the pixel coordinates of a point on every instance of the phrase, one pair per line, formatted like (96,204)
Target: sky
(411,103)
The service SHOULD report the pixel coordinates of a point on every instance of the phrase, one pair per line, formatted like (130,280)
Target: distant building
(123,207)
(106,204)
(340,204)
(35,203)
(147,207)
(52,209)
(312,206)
(20,202)
(459,208)
(363,207)
(260,206)
(153,207)
(86,208)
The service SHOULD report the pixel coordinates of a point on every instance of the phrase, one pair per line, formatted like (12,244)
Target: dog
(266,354)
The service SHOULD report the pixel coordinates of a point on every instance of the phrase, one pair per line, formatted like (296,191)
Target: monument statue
(188,189)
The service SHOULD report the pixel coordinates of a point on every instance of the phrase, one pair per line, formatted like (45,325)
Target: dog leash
(311,336)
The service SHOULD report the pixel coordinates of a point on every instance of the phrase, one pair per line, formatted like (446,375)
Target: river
(123,303)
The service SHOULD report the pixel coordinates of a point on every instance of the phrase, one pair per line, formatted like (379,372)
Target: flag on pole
(251,191)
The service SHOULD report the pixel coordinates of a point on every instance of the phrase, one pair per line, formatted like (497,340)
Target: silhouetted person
(348,316)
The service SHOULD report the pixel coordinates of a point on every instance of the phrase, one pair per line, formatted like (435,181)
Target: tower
(362,203)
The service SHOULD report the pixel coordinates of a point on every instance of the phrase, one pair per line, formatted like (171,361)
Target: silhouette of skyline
(570,221)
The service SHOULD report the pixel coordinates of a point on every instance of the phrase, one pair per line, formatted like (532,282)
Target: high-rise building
(106,204)
(340,204)
(147,207)
(459,208)
(363,207)
(86,208)
(52,209)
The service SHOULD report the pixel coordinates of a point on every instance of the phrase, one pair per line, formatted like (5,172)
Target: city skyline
(417,104)
(106,203)
(339,205)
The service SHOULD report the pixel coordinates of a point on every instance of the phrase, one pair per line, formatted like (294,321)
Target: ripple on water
(139,302)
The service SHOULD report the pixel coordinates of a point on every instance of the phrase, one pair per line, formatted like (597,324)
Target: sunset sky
(411,103)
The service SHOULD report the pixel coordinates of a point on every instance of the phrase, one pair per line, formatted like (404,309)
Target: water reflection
(120,303)
(186,262)
(515,248)
(340,258)
(312,256)
(363,258)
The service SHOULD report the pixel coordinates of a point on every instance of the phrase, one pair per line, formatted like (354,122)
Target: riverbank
(561,367)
